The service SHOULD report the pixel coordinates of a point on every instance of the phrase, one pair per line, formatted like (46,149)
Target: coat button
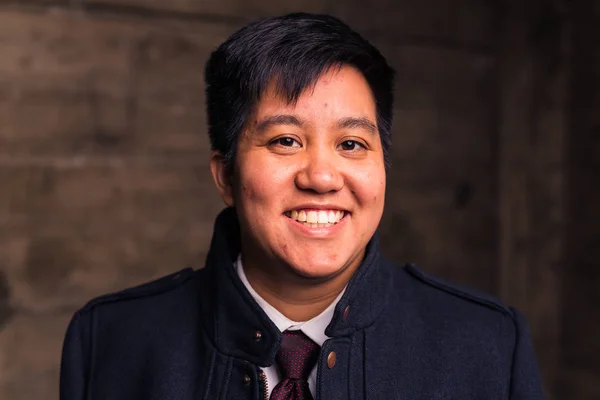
(247,380)
(258,336)
(331,358)
(346,313)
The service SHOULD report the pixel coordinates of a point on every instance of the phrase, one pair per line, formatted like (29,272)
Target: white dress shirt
(314,329)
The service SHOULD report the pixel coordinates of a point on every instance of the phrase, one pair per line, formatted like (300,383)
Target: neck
(297,297)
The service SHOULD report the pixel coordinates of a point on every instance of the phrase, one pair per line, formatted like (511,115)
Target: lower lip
(322,231)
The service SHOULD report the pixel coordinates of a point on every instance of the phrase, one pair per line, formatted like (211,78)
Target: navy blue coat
(397,333)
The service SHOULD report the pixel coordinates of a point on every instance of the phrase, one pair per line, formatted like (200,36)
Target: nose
(320,172)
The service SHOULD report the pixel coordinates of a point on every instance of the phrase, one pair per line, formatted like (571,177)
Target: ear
(222,178)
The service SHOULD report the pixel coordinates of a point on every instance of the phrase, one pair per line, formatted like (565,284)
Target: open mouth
(317,218)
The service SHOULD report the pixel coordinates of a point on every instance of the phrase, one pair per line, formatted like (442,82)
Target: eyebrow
(360,123)
(281,119)
(289,119)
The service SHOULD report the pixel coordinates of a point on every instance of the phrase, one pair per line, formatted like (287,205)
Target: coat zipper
(264,385)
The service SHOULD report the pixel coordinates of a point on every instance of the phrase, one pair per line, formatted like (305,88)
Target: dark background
(104,178)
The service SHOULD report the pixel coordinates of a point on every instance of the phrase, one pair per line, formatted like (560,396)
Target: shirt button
(331,358)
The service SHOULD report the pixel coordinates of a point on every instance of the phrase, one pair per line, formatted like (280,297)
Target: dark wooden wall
(103,158)
(579,346)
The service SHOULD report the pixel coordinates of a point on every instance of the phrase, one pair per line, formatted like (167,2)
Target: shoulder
(166,286)
(442,294)
(449,308)
(121,313)
(129,321)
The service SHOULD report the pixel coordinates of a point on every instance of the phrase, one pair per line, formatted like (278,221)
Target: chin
(322,269)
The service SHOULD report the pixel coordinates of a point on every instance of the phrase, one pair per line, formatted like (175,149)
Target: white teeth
(316,219)
(302,216)
(332,217)
(323,217)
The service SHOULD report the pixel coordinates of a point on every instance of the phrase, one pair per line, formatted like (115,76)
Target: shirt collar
(313,328)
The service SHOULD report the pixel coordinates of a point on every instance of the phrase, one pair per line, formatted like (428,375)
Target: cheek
(370,187)
(251,189)
(254,190)
(263,182)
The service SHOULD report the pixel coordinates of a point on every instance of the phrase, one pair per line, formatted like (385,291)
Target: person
(296,300)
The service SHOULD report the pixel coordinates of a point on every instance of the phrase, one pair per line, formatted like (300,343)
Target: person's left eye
(350,145)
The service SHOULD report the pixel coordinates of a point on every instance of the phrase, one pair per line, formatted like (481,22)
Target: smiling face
(309,180)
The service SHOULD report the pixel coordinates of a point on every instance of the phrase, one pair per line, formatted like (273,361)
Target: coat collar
(238,326)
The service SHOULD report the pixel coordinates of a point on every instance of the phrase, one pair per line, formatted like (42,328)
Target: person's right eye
(286,141)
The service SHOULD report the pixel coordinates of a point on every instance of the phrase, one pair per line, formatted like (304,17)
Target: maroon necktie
(296,358)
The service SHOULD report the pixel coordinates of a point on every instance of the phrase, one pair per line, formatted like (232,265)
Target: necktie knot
(297,356)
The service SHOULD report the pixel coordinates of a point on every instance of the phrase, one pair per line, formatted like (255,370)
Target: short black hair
(295,49)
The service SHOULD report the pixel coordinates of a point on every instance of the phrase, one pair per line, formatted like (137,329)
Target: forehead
(338,92)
